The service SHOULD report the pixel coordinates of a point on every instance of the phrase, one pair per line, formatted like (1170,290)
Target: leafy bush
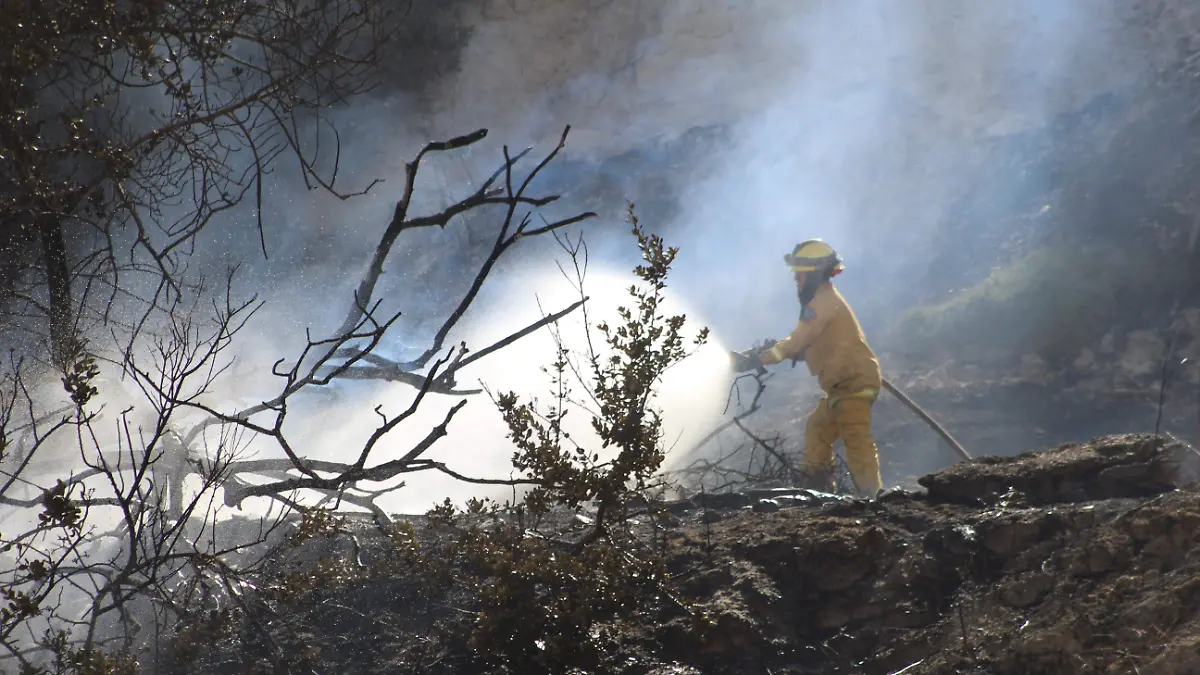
(546,604)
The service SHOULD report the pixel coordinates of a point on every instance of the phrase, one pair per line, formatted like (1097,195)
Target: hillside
(243,384)
(1019,221)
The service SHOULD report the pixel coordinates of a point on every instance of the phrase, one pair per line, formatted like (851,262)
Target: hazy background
(934,143)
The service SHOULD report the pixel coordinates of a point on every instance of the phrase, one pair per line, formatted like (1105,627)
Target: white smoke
(848,120)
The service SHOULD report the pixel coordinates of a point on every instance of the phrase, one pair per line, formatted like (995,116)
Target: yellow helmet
(814,255)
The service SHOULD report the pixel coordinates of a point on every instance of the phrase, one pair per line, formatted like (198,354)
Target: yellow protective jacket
(830,340)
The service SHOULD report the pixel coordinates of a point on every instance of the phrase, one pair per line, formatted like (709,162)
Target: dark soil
(1081,559)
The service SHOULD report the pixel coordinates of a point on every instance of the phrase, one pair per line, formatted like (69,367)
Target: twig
(1168,373)
(962,624)
(909,667)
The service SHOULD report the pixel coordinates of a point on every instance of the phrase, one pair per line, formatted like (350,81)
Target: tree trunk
(58,282)
(15,243)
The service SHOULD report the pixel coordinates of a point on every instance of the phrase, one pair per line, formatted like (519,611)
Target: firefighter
(829,339)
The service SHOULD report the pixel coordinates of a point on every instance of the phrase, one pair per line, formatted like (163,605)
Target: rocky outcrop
(1080,559)
(1113,467)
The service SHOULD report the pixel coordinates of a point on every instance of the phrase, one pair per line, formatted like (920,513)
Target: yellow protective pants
(847,418)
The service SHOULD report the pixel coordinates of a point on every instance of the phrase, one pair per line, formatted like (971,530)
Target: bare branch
(376,474)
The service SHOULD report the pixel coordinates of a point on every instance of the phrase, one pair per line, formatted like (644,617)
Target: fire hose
(933,424)
(744,361)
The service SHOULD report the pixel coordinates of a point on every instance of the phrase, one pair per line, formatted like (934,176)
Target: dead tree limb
(349,353)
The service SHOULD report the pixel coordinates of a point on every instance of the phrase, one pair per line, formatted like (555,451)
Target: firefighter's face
(800,276)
